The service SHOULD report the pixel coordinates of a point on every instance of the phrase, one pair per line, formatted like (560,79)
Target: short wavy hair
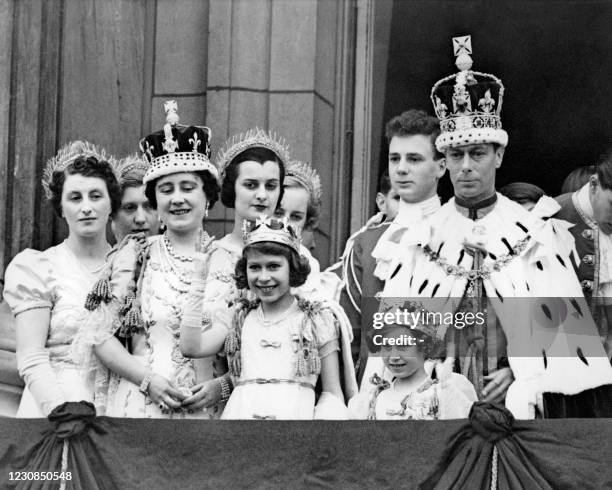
(132,178)
(413,122)
(522,192)
(313,209)
(299,267)
(210,186)
(260,155)
(87,167)
(577,178)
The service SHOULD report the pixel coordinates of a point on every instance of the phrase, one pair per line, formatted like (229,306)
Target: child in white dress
(278,345)
(413,393)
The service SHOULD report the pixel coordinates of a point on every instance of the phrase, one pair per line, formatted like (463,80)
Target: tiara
(67,154)
(307,176)
(253,138)
(129,164)
(267,229)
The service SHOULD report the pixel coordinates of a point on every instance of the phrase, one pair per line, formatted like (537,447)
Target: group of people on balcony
(172,323)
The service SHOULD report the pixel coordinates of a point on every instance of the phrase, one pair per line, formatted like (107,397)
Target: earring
(206,211)
(162,225)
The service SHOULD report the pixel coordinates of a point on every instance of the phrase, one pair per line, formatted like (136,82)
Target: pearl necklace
(177,279)
(172,253)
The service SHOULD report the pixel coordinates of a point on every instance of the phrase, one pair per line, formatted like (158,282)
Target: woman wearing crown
(141,297)
(46,290)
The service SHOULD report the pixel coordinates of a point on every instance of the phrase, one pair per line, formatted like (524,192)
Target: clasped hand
(203,395)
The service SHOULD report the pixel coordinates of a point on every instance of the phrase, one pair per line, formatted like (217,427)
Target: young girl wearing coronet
(413,393)
(279,344)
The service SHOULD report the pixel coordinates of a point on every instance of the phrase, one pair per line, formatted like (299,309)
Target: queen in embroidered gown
(163,287)
(141,297)
(46,290)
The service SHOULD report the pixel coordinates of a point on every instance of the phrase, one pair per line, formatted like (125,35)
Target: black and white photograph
(305,244)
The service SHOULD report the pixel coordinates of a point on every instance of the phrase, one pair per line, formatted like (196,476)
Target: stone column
(276,64)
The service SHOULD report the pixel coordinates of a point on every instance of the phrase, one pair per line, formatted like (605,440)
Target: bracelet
(225,388)
(146,381)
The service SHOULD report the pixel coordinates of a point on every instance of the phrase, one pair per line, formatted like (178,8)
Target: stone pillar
(276,64)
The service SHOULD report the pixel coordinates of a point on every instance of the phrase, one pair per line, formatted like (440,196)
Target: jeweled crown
(253,138)
(267,229)
(468,103)
(177,148)
(307,176)
(67,154)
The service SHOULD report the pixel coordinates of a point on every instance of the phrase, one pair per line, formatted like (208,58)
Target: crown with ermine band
(468,103)
(177,148)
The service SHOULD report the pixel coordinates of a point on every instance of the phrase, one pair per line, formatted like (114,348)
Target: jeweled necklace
(483,272)
(175,278)
(172,253)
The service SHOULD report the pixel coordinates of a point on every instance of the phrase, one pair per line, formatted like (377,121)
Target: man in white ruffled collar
(414,168)
(590,211)
(481,251)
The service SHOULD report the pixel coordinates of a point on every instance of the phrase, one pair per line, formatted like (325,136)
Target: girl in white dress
(140,299)
(46,290)
(278,345)
(414,392)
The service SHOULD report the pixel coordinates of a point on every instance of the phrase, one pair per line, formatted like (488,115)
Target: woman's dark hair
(384,183)
(299,267)
(604,169)
(522,192)
(210,186)
(577,178)
(260,155)
(87,167)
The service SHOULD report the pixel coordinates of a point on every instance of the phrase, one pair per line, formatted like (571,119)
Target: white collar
(584,200)
(409,212)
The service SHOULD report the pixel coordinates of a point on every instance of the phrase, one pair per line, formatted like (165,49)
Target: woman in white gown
(141,296)
(46,290)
